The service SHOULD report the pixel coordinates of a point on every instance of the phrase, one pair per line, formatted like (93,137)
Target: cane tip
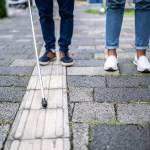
(44,103)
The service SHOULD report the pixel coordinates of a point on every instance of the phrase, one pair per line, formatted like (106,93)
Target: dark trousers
(66,8)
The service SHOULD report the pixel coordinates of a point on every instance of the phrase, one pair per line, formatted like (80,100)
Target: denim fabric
(45,9)
(115,10)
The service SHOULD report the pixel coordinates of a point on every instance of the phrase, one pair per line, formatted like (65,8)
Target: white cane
(44,102)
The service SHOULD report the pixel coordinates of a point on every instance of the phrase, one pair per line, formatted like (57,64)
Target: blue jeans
(115,10)
(45,9)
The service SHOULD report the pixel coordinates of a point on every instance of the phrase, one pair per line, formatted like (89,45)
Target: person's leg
(66,9)
(142,33)
(114,18)
(45,9)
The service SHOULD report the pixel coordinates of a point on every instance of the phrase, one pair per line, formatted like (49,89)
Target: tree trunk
(3,10)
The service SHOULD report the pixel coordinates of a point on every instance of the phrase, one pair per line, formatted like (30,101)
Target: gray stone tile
(22,81)
(14,81)
(93,112)
(86,47)
(81,94)
(27,62)
(86,81)
(89,71)
(85,51)
(86,42)
(130,49)
(80,136)
(15,70)
(122,94)
(8,112)
(88,63)
(14,56)
(119,138)
(4,129)
(99,56)
(122,81)
(126,55)
(7,80)
(125,61)
(11,94)
(128,70)
(144,81)
(82,56)
(5,62)
(134,113)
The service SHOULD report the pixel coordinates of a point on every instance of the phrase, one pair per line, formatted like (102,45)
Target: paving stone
(134,113)
(86,81)
(122,81)
(122,94)
(21,62)
(14,56)
(88,63)
(99,56)
(129,49)
(5,62)
(89,71)
(80,94)
(7,80)
(32,99)
(14,81)
(15,70)
(8,112)
(11,94)
(51,70)
(4,129)
(119,138)
(128,70)
(144,81)
(49,82)
(120,55)
(38,144)
(85,51)
(82,56)
(126,62)
(22,81)
(85,42)
(86,47)
(80,136)
(93,112)
(44,123)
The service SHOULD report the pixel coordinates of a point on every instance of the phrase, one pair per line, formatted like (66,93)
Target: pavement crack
(116,113)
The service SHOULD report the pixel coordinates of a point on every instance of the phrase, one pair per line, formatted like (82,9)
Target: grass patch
(116,123)
(92,11)
(128,12)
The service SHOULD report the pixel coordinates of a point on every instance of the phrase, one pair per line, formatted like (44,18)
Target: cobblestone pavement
(16,65)
(108,110)
(34,127)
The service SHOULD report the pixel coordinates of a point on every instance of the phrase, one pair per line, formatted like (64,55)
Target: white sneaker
(143,65)
(111,63)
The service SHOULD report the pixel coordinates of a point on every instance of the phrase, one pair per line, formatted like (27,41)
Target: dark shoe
(66,59)
(47,58)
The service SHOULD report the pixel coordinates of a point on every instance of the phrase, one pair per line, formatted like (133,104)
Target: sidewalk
(107,110)
(34,127)
(17,61)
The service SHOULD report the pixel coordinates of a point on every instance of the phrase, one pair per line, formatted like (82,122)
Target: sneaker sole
(46,63)
(111,68)
(144,70)
(67,64)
